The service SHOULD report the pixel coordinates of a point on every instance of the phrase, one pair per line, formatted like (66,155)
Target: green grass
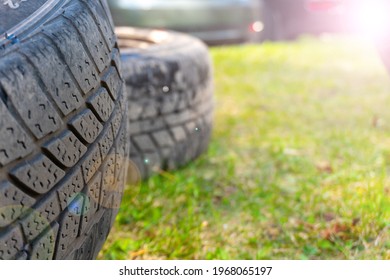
(298,166)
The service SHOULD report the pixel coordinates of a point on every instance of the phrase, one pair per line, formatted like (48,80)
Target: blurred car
(213,21)
(286,19)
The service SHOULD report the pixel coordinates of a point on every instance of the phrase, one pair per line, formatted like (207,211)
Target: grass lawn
(298,167)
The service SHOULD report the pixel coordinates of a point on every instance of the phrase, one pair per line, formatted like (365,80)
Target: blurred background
(299,162)
(238,21)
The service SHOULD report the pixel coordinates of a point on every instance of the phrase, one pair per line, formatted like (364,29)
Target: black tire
(169,83)
(62,129)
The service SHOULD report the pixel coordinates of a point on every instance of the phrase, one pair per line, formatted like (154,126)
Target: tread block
(43,247)
(108,183)
(13,203)
(106,142)
(179,133)
(192,127)
(39,174)
(136,93)
(33,225)
(170,103)
(85,24)
(121,169)
(86,250)
(106,8)
(175,119)
(26,95)
(146,126)
(67,149)
(122,150)
(117,198)
(11,243)
(67,38)
(72,185)
(145,143)
(163,139)
(91,164)
(86,126)
(14,141)
(116,121)
(102,104)
(123,146)
(150,110)
(123,104)
(46,212)
(135,111)
(103,227)
(69,227)
(183,103)
(151,73)
(112,82)
(103,22)
(117,60)
(91,203)
(59,83)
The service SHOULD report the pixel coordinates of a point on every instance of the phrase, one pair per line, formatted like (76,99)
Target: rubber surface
(62,132)
(169,83)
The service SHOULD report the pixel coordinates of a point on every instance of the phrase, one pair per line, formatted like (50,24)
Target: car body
(213,21)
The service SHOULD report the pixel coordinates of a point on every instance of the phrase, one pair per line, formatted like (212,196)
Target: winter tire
(62,128)
(168,77)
